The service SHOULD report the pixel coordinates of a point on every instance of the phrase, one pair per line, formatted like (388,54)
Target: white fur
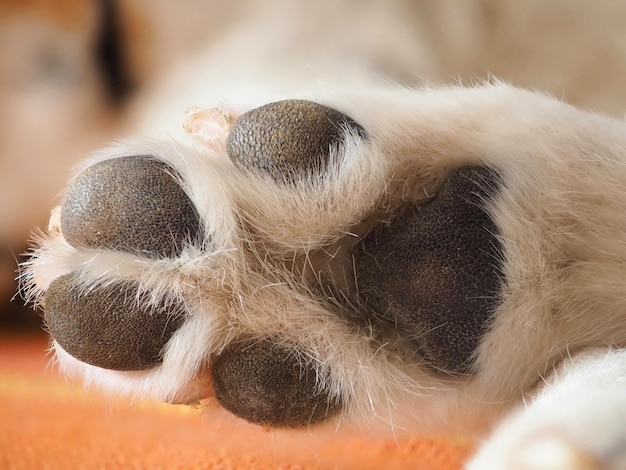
(574,421)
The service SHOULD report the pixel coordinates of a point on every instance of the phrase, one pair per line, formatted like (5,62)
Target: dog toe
(131,204)
(288,139)
(113,326)
(267,384)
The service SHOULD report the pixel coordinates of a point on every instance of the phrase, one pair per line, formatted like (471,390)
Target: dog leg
(575,421)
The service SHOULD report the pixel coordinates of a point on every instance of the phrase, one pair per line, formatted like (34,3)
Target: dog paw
(389,255)
(255,278)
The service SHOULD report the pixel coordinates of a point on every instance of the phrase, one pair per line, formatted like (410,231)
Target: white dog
(312,244)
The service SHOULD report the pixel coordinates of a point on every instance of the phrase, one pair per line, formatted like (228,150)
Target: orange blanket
(47,423)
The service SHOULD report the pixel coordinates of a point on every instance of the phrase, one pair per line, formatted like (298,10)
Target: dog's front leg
(575,420)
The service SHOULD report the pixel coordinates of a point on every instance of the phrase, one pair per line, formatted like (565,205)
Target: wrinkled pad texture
(49,423)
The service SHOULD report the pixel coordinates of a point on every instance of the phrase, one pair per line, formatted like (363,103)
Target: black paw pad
(130,204)
(110,326)
(266,384)
(288,138)
(436,271)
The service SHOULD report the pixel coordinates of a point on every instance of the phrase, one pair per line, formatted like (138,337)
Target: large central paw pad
(435,271)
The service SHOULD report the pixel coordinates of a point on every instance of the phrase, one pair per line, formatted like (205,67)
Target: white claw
(209,126)
(54,224)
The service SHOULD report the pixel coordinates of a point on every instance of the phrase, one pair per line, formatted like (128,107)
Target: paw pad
(131,204)
(435,271)
(267,384)
(113,326)
(288,138)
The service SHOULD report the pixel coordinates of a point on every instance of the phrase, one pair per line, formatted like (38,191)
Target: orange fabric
(46,423)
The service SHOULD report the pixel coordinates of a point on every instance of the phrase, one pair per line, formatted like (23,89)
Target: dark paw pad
(130,204)
(288,139)
(266,384)
(435,272)
(111,326)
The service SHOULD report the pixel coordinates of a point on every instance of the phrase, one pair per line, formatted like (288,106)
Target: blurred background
(73,73)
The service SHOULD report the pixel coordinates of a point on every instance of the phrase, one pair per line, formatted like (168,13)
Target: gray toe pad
(130,204)
(110,327)
(288,139)
(266,384)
